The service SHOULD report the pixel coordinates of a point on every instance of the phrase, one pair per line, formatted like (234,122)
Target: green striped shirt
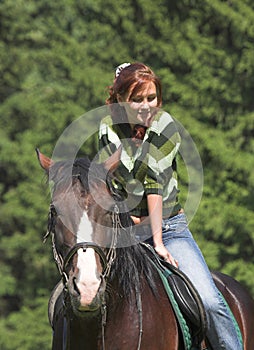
(149,168)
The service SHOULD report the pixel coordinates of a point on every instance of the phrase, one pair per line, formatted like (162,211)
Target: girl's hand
(140,220)
(163,252)
(136,219)
(155,205)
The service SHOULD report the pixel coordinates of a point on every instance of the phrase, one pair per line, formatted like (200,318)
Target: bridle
(63,262)
(106,259)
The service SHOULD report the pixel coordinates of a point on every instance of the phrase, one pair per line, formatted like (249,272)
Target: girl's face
(139,106)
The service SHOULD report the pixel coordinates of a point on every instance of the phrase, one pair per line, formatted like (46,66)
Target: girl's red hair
(133,77)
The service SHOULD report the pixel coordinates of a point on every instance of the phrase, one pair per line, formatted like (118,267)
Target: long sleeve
(149,168)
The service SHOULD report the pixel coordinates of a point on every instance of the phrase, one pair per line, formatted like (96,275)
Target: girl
(150,141)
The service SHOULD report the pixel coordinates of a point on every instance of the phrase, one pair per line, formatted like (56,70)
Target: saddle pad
(181,320)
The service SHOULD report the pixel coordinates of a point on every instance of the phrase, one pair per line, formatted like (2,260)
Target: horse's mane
(131,268)
(131,263)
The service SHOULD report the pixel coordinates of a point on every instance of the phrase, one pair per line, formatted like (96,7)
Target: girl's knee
(214,305)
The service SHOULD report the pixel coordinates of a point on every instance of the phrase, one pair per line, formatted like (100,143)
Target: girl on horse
(147,171)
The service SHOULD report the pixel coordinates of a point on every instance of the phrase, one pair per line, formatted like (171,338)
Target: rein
(117,225)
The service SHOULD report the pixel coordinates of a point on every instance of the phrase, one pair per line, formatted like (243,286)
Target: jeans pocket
(176,226)
(165,226)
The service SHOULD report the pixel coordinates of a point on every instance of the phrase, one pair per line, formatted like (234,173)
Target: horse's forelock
(63,172)
(60,172)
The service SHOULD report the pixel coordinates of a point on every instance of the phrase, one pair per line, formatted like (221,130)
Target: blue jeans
(178,240)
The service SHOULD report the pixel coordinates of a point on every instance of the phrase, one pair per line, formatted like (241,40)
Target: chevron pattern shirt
(149,168)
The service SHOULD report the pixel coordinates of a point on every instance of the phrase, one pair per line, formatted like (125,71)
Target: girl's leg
(177,238)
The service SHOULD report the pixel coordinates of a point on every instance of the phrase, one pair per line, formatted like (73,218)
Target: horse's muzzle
(80,300)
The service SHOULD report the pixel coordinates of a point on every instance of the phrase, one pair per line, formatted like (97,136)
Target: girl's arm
(154,202)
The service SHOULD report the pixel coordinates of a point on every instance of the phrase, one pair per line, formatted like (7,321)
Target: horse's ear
(113,161)
(44,161)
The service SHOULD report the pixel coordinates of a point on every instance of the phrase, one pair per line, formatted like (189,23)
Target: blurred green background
(56,60)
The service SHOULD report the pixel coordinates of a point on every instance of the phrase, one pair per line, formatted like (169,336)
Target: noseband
(84,246)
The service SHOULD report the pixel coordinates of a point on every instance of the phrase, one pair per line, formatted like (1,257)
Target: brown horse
(111,297)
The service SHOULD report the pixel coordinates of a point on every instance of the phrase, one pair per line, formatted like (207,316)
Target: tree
(56,60)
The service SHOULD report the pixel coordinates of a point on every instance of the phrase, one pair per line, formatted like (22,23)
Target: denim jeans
(178,239)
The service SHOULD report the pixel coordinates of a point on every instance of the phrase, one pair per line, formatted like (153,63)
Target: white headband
(120,68)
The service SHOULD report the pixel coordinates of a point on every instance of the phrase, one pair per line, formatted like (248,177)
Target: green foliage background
(56,60)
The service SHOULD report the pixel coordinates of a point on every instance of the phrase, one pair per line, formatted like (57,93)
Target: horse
(111,296)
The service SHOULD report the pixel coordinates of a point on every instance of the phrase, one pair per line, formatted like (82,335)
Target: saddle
(184,298)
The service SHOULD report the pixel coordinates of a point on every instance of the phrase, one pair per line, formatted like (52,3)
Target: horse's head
(82,219)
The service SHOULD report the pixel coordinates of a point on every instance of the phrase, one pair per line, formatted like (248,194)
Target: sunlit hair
(132,79)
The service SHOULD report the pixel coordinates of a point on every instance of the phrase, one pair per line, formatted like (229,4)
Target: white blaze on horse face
(85,229)
(88,281)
